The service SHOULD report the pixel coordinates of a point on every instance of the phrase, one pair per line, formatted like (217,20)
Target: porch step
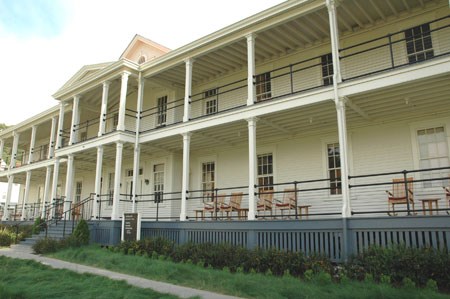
(54,231)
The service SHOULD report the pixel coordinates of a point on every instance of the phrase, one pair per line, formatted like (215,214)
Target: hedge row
(425,267)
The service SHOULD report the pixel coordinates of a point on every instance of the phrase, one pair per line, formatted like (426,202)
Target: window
(115,120)
(162,111)
(263,87)
(265,172)
(211,101)
(158,182)
(433,153)
(110,188)
(208,177)
(83,136)
(130,172)
(78,188)
(418,43)
(327,69)
(141,59)
(334,168)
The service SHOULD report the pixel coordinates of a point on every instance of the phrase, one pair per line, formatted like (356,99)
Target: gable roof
(139,46)
(84,72)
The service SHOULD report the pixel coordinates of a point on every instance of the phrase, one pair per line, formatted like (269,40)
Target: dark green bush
(400,262)
(81,232)
(46,245)
(38,226)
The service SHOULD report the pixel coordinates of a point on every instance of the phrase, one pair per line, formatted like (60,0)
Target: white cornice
(90,80)
(28,123)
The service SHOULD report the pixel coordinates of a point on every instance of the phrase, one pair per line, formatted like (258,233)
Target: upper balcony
(292,57)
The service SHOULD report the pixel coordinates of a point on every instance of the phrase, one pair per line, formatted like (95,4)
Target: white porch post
(340,109)
(188,89)
(51,150)
(26,195)
(46,199)
(14,149)
(123,101)
(55,182)
(75,120)
(251,167)
(104,108)
(251,69)
(69,182)
(98,181)
(117,176)
(334,36)
(137,146)
(32,143)
(2,146)
(185,178)
(59,137)
(8,198)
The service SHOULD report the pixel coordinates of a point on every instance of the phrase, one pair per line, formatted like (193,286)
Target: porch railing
(166,114)
(390,51)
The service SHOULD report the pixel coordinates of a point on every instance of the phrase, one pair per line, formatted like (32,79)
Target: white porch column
(343,148)
(51,147)
(55,182)
(75,120)
(251,167)
(137,146)
(334,36)
(8,198)
(251,94)
(26,195)
(46,200)
(98,182)
(59,137)
(185,178)
(69,182)
(117,176)
(188,89)
(32,143)
(2,146)
(123,101)
(104,109)
(14,149)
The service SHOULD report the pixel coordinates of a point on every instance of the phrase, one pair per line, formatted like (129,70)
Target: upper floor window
(210,101)
(327,69)
(433,153)
(265,172)
(162,111)
(334,168)
(263,87)
(418,43)
(83,136)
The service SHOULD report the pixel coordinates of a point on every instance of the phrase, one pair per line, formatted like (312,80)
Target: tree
(3,126)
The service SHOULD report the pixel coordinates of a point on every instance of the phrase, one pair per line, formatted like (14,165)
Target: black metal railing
(390,51)
(161,116)
(40,153)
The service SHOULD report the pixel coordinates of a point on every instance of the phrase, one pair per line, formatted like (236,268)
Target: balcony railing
(166,114)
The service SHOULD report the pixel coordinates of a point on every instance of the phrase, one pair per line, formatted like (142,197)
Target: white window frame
(423,125)
(163,177)
(210,95)
(163,113)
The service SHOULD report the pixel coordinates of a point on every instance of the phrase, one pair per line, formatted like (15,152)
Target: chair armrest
(412,193)
(277,200)
(389,193)
(446,189)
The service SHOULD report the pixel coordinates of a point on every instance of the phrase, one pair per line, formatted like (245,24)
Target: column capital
(332,4)
(77,97)
(251,36)
(106,83)
(119,143)
(125,74)
(253,120)
(16,134)
(189,61)
(186,134)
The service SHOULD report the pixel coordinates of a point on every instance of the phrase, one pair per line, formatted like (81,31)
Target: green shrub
(38,226)
(5,237)
(81,232)
(399,262)
(46,245)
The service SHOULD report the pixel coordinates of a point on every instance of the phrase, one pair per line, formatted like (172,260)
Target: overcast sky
(44,42)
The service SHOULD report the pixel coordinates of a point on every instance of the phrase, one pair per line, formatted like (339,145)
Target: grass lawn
(22,279)
(237,284)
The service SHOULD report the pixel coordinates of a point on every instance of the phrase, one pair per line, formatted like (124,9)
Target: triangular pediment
(84,72)
(141,50)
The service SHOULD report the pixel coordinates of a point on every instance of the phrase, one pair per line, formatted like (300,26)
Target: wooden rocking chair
(233,206)
(399,195)
(265,201)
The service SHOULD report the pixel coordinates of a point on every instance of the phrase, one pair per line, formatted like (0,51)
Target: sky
(44,42)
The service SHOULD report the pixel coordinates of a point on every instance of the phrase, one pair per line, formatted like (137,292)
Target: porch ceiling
(295,34)
(406,101)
